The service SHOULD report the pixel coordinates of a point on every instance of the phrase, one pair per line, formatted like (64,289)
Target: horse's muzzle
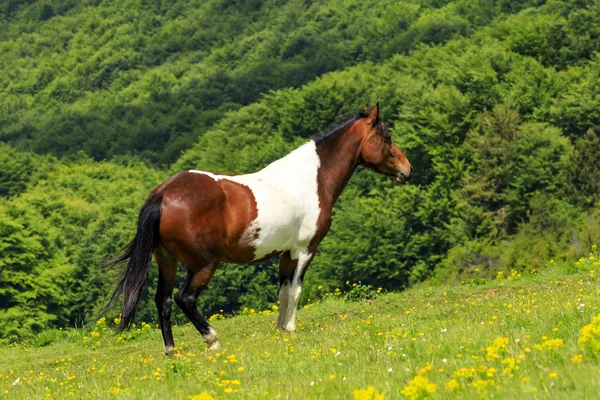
(400,178)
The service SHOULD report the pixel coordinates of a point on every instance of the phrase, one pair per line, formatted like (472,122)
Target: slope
(520,337)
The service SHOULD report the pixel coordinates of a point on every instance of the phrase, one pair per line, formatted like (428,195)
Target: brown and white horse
(284,210)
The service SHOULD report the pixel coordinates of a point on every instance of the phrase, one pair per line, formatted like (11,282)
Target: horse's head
(377,149)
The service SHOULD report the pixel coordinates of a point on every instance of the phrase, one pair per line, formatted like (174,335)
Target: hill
(147,78)
(521,336)
(494,102)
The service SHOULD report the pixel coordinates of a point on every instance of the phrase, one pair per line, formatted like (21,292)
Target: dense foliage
(494,102)
(148,77)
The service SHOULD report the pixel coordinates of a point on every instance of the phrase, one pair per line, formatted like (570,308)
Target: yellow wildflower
(452,385)
(498,346)
(369,393)
(549,344)
(589,337)
(418,387)
(202,396)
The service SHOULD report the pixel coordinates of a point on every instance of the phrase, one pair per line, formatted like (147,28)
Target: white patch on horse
(209,174)
(292,307)
(294,291)
(284,295)
(304,258)
(287,202)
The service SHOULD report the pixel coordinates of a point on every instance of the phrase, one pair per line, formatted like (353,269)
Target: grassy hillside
(524,335)
(494,102)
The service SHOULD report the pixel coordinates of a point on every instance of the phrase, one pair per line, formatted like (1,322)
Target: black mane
(345,124)
(339,127)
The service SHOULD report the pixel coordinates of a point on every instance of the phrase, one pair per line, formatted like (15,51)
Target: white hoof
(169,350)
(214,346)
(211,340)
(286,328)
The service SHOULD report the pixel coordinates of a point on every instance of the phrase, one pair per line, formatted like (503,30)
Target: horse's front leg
(291,274)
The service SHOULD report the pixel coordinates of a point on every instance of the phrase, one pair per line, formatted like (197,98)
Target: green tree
(583,171)
(33,275)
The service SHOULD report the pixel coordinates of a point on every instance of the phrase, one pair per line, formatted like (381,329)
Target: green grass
(343,346)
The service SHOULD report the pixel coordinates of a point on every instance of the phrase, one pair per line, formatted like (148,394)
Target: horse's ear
(375,113)
(366,109)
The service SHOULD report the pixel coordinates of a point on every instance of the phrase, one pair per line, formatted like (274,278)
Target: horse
(201,218)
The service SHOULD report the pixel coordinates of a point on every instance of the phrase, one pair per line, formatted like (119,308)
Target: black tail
(138,254)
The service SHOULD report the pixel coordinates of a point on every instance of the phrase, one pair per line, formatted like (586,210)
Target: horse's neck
(332,162)
(339,159)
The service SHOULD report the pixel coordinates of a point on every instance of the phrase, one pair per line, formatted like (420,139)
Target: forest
(495,102)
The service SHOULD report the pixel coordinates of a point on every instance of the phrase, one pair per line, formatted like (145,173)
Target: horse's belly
(277,235)
(281,226)
(265,238)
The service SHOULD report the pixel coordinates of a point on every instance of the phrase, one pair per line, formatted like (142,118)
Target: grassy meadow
(521,335)
(494,102)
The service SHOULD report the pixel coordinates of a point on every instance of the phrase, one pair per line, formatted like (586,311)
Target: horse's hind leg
(187,297)
(167,270)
